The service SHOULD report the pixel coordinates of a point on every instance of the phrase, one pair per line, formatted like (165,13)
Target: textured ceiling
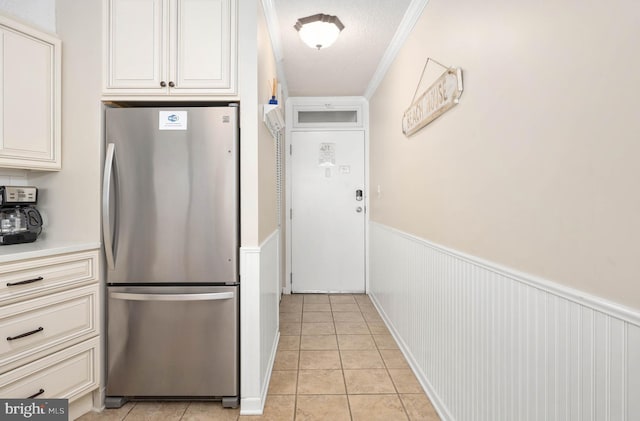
(345,68)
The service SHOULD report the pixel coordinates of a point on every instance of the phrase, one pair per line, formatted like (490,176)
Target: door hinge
(291,149)
(290,213)
(291,279)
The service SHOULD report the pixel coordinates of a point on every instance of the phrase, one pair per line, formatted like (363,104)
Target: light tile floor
(336,361)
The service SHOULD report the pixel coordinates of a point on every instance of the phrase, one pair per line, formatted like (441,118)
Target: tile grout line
(397,394)
(185,411)
(349,400)
(344,378)
(295,399)
(129,411)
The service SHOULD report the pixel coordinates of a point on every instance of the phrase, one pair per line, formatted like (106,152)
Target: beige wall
(247,89)
(267,219)
(40,14)
(71,198)
(537,167)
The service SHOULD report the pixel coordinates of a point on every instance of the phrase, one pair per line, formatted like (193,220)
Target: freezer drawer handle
(172,297)
(28,281)
(40,392)
(24,335)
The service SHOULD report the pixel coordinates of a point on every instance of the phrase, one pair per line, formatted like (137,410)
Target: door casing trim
(324,103)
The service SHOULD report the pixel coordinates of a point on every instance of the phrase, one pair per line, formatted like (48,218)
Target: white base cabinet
(41,325)
(50,326)
(170,47)
(68,374)
(29,98)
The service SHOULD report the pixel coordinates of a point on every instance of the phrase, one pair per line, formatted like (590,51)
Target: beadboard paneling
(259,300)
(488,343)
(269,302)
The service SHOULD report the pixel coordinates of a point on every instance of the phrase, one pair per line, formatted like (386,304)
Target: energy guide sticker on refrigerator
(172,120)
(170,229)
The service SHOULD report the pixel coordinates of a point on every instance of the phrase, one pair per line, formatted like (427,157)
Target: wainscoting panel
(259,299)
(488,343)
(269,302)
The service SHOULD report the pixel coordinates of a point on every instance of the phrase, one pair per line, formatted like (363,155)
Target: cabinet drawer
(42,325)
(67,374)
(21,279)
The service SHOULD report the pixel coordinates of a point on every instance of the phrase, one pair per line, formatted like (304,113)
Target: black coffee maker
(20,221)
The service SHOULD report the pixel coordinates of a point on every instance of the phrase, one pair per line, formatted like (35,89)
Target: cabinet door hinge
(291,149)
(290,213)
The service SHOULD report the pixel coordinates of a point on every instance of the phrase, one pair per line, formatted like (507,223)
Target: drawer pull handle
(11,338)
(40,392)
(28,281)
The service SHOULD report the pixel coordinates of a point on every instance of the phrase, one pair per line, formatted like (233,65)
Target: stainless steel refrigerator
(171,231)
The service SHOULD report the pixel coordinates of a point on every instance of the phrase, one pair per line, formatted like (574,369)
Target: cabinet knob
(171,84)
(163,83)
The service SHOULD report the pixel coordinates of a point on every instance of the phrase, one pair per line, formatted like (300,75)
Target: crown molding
(273,27)
(411,16)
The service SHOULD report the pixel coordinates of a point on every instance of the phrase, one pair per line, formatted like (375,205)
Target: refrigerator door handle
(109,165)
(172,297)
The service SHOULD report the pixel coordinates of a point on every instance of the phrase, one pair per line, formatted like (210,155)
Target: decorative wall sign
(440,97)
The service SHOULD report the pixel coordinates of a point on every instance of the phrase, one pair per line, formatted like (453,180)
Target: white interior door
(328,211)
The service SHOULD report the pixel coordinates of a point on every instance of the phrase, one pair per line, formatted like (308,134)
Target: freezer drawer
(173,341)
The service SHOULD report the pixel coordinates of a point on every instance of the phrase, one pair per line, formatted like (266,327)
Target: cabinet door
(136,46)
(29,98)
(203,46)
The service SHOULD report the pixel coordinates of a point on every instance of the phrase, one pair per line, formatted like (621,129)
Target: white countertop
(42,248)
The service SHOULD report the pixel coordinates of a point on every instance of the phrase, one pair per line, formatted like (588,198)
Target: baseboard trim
(251,406)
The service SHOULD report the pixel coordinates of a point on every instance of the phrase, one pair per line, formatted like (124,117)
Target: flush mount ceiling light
(319,31)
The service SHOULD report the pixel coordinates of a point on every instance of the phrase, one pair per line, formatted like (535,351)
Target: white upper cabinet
(170,47)
(135,37)
(29,97)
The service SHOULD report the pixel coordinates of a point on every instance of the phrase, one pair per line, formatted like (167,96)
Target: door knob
(359,209)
